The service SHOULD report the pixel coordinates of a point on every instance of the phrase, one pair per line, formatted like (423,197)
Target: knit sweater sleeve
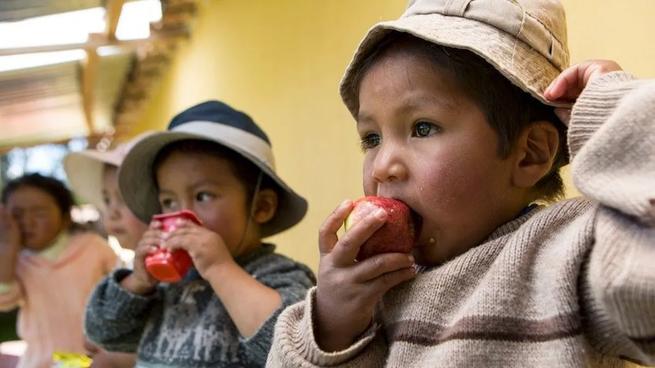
(115,318)
(291,280)
(294,344)
(612,142)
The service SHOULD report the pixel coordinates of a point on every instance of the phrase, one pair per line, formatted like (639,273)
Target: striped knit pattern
(52,296)
(570,285)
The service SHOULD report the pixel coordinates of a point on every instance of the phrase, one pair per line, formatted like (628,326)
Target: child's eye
(204,197)
(42,214)
(105,200)
(370,141)
(423,129)
(167,204)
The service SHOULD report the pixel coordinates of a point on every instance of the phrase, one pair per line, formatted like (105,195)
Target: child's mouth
(415,225)
(118,231)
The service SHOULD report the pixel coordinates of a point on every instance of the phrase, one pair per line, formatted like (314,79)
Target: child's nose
(186,205)
(113,211)
(388,164)
(25,222)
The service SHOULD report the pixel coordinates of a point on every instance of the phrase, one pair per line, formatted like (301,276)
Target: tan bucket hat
(84,169)
(525,40)
(212,121)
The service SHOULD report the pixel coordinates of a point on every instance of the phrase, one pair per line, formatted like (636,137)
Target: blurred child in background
(93,176)
(47,269)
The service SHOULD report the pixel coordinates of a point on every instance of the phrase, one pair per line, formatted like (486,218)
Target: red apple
(397,235)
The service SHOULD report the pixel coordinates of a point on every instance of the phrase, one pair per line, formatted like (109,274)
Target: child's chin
(126,242)
(35,247)
(423,258)
(428,256)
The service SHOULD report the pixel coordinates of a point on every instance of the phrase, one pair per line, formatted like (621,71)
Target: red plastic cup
(168,266)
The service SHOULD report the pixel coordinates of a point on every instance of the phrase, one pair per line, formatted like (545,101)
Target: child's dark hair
(244,170)
(55,188)
(508,109)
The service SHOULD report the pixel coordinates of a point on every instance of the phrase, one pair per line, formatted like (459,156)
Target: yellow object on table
(70,360)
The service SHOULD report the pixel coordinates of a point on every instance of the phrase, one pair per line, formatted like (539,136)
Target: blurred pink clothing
(52,296)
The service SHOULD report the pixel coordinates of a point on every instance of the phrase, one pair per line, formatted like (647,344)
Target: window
(45,159)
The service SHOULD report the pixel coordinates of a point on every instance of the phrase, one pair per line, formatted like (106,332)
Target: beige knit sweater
(570,285)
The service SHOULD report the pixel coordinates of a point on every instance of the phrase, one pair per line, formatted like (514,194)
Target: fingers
(180,238)
(381,264)
(149,243)
(346,249)
(327,234)
(5,216)
(555,90)
(185,224)
(183,231)
(143,250)
(3,219)
(152,237)
(9,228)
(388,280)
(608,66)
(567,86)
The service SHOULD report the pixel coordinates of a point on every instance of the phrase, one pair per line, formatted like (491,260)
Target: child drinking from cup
(217,163)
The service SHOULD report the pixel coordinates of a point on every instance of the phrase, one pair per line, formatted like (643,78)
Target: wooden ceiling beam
(89,65)
(113,9)
(88,83)
(99,41)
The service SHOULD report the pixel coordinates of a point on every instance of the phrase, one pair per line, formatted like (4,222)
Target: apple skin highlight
(397,235)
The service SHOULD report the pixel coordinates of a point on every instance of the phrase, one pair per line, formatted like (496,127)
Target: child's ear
(535,150)
(265,206)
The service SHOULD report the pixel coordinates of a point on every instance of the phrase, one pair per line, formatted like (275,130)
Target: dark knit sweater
(185,324)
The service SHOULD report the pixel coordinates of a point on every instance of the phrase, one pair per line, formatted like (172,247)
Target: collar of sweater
(55,249)
(67,248)
(501,231)
(515,224)
(264,250)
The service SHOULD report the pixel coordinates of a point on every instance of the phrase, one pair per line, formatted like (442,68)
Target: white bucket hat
(525,40)
(84,169)
(211,121)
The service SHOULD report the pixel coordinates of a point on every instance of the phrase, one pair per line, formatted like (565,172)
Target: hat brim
(137,184)
(84,171)
(513,58)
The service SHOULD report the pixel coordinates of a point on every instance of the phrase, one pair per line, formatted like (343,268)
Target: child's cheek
(133,223)
(224,226)
(370,186)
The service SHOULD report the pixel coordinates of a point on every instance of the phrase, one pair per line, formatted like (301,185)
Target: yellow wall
(616,30)
(281,62)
